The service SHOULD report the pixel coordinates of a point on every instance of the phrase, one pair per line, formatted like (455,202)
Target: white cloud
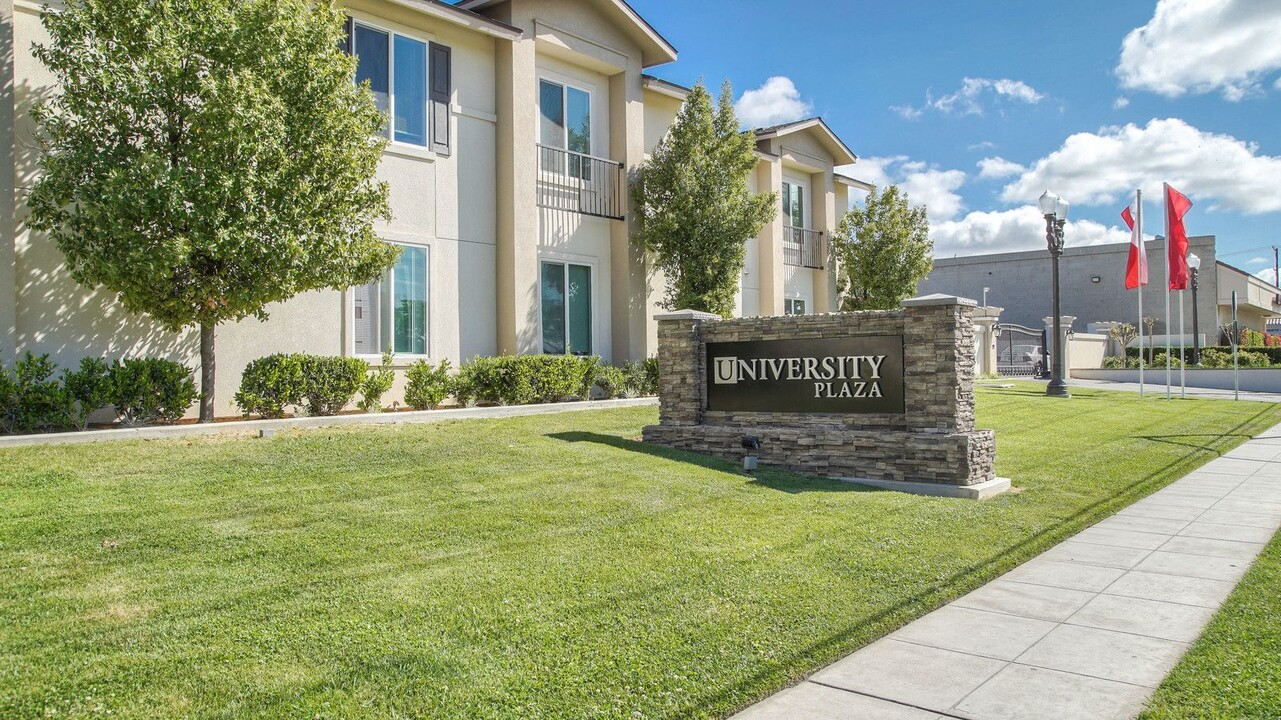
(1200,46)
(776,102)
(985,145)
(925,185)
(1022,228)
(968,99)
(1267,275)
(1103,168)
(1258,261)
(907,112)
(1121,103)
(999,167)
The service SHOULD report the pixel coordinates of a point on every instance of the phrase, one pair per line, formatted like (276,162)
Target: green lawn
(539,567)
(1234,669)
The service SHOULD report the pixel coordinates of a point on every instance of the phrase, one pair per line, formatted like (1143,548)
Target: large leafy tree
(205,158)
(696,211)
(883,250)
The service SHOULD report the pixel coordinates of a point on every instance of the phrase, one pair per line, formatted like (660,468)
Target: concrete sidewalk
(1150,389)
(1086,630)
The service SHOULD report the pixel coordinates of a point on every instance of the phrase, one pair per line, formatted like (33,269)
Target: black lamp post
(1194,264)
(1055,210)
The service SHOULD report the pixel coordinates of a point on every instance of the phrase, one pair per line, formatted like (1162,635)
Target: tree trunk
(207,372)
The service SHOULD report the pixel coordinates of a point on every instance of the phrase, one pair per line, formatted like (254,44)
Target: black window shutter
(439,94)
(349,28)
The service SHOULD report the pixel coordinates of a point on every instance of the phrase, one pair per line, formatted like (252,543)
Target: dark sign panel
(839,375)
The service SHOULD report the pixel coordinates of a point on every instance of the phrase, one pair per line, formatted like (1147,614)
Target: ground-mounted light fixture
(1055,210)
(750,442)
(1096,279)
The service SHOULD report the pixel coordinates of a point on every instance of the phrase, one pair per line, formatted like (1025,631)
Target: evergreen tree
(696,211)
(883,250)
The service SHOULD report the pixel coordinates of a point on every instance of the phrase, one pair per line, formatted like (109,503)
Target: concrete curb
(305,423)
(978,491)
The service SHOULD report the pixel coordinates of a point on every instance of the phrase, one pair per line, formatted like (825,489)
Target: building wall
(444,203)
(1021,283)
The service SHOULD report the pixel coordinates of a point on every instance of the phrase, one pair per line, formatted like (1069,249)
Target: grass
(538,567)
(1234,669)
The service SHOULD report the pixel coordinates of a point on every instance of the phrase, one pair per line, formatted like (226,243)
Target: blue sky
(975,108)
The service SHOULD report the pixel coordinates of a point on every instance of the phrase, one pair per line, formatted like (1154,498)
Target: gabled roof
(462,16)
(841,153)
(655,50)
(854,182)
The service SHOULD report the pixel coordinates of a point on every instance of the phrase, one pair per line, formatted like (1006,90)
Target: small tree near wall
(205,159)
(695,209)
(883,250)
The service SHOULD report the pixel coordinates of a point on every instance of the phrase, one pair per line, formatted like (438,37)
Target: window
(793,205)
(390,314)
(396,68)
(565,122)
(793,306)
(566,291)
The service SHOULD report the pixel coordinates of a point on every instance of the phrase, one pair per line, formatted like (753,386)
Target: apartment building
(513,127)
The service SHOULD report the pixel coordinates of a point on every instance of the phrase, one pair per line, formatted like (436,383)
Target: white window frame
(390,278)
(564,107)
(565,261)
(393,143)
(806,200)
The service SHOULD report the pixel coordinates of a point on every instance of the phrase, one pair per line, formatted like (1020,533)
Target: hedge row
(144,391)
(1213,357)
(1273,354)
(323,385)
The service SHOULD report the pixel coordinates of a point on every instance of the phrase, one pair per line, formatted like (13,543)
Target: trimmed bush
(376,384)
(32,400)
(525,379)
(642,377)
(331,382)
(152,390)
(88,388)
(612,381)
(428,384)
(270,384)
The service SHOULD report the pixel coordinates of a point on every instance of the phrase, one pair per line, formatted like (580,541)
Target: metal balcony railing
(581,183)
(804,248)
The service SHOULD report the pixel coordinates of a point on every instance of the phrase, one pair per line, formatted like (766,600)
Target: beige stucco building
(514,125)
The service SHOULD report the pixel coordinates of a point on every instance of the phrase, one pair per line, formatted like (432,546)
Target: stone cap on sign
(688,315)
(939,299)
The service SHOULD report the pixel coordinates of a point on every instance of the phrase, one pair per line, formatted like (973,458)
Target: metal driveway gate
(1021,351)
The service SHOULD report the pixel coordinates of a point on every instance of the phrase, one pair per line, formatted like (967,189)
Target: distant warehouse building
(1092,287)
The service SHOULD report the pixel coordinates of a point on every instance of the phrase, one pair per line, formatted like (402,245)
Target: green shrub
(1248,358)
(555,378)
(32,400)
(376,384)
(428,385)
(88,389)
(524,379)
(612,381)
(331,382)
(1113,362)
(152,390)
(270,384)
(1160,360)
(642,377)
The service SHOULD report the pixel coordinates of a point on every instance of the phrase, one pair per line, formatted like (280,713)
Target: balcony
(580,183)
(804,248)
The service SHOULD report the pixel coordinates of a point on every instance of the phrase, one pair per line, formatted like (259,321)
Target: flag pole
(1166,193)
(1183,380)
(1138,223)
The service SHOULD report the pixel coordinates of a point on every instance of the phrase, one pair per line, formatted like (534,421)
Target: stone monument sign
(883,398)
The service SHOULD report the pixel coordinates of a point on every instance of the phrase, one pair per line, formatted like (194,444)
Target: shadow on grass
(774,479)
(1188,442)
(792,667)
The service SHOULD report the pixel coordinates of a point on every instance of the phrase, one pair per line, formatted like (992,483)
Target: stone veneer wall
(932,441)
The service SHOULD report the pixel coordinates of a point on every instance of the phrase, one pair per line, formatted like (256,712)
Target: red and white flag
(1176,206)
(1136,268)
